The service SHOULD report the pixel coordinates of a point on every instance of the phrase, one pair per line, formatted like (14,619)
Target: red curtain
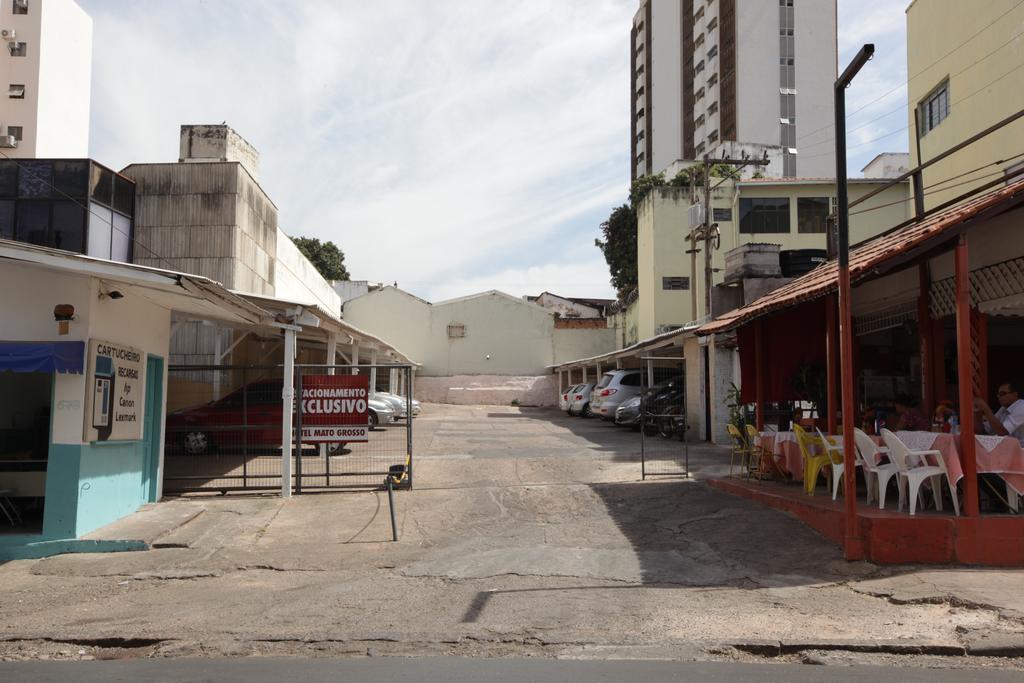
(792,338)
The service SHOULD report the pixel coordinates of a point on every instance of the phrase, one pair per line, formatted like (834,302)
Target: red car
(247,418)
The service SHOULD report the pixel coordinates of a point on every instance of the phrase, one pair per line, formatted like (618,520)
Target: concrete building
(81,328)
(963,62)
(483,348)
(887,165)
(571,307)
(708,74)
(76,205)
(47,69)
(789,213)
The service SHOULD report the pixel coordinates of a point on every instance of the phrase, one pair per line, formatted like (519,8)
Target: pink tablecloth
(787,452)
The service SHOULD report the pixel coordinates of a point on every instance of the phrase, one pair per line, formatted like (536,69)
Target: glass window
(71,179)
(35,178)
(68,226)
(812,214)
(101,185)
(7,219)
(8,178)
(124,195)
(606,379)
(20,7)
(17,49)
(99,231)
(33,223)
(631,380)
(764,215)
(935,108)
(16,132)
(676,282)
(16,91)
(120,238)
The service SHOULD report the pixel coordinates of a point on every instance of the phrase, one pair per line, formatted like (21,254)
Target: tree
(326,257)
(619,247)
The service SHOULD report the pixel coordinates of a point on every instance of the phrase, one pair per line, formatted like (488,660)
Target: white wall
(757,71)
(573,344)
(815,75)
(296,279)
(65,75)
(131,320)
(665,83)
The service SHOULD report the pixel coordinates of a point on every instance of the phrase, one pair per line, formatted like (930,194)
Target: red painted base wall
(892,537)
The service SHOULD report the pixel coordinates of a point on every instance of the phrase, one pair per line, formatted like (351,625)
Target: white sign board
(115,392)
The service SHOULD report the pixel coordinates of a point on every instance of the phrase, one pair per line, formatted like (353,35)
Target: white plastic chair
(867,451)
(835,454)
(912,473)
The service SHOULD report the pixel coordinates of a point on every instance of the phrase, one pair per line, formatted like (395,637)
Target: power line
(911,78)
(937,186)
(903,107)
(899,130)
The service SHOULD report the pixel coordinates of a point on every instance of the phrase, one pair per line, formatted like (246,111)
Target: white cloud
(442,143)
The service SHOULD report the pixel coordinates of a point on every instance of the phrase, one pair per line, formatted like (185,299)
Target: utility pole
(709,231)
(854,544)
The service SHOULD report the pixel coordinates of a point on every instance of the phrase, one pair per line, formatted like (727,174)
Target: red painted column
(965,377)
(924,329)
(831,356)
(854,545)
(759,373)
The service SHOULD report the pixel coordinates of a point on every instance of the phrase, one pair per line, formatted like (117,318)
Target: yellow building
(964,74)
(789,213)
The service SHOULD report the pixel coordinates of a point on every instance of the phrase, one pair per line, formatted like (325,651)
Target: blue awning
(65,356)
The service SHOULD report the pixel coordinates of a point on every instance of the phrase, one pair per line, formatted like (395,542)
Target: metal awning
(874,257)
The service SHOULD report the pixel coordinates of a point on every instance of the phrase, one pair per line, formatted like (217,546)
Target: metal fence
(224,430)
(663,421)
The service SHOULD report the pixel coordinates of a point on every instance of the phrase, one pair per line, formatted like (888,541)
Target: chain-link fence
(224,429)
(663,420)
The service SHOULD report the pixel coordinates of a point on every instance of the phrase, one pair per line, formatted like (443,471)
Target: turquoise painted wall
(109,483)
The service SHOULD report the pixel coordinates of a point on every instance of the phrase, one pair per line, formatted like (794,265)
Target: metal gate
(663,419)
(224,430)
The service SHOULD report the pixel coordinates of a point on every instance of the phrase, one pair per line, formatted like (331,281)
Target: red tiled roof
(863,260)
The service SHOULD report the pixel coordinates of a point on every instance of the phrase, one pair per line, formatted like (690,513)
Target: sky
(450,147)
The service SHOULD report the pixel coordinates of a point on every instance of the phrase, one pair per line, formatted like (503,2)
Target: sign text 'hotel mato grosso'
(334,408)
(115,395)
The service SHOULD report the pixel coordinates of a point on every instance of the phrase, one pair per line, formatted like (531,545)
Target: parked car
(579,403)
(249,416)
(563,398)
(399,403)
(628,412)
(615,387)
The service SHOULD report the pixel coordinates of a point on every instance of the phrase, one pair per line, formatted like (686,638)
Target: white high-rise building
(728,77)
(45,69)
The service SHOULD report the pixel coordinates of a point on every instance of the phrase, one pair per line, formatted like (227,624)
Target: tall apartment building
(724,77)
(46,70)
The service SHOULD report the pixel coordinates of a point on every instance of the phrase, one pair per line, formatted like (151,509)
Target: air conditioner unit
(8,34)
(8,141)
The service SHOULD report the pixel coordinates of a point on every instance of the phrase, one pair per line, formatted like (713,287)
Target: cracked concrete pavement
(528,533)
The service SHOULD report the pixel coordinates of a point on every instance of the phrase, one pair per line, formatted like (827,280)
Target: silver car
(565,396)
(380,412)
(579,400)
(615,387)
(398,403)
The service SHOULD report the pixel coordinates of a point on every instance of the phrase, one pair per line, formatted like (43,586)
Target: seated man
(1009,419)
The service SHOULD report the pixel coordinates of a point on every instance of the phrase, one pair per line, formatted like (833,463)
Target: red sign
(334,408)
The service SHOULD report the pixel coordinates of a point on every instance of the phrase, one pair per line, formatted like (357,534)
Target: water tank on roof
(797,262)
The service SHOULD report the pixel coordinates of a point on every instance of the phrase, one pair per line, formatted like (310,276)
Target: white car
(563,398)
(614,388)
(579,400)
(398,403)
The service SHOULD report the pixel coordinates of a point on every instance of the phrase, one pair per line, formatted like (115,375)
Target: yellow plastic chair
(739,448)
(813,462)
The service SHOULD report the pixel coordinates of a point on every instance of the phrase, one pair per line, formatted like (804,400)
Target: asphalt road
(455,670)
